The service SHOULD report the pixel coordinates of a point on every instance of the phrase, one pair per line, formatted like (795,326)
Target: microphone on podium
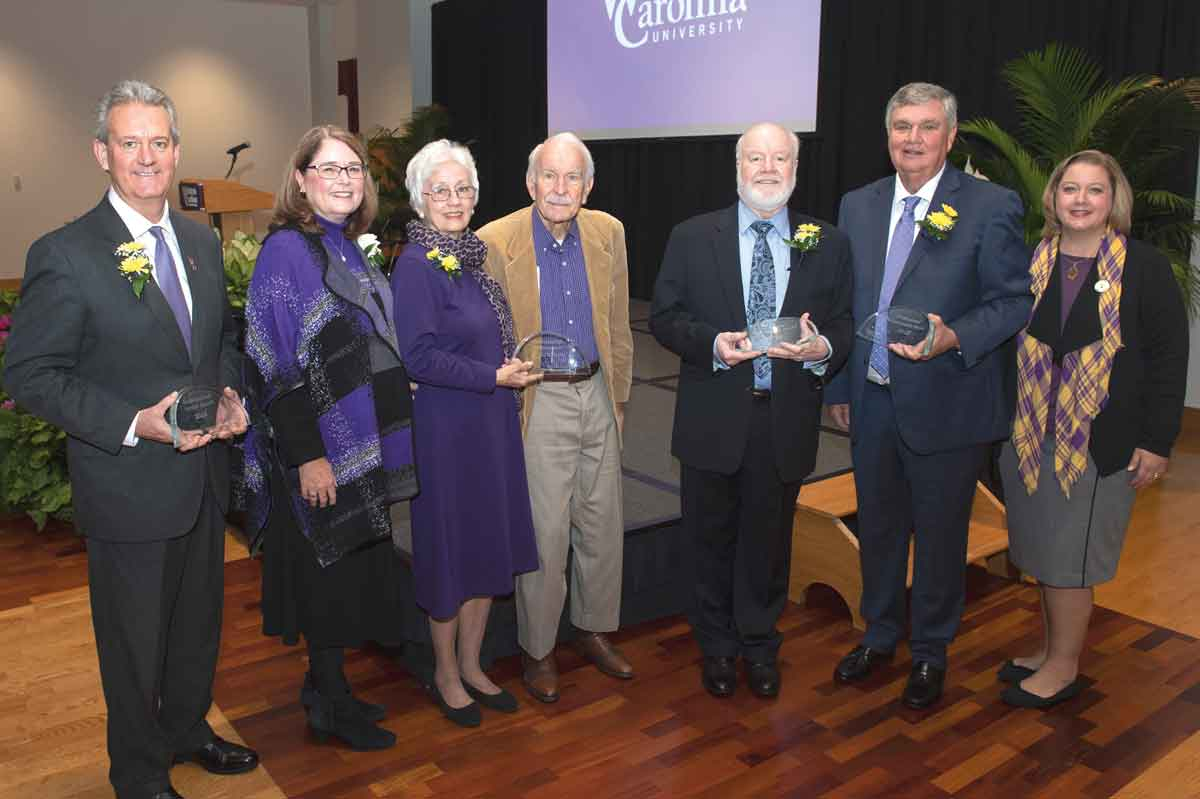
(233,151)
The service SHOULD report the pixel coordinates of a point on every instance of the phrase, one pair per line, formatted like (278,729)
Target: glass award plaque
(898,325)
(200,409)
(552,354)
(768,333)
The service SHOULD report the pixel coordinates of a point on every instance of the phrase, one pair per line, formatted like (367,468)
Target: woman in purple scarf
(330,448)
(472,525)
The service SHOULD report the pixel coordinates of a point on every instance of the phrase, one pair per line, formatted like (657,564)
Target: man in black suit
(101,342)
(746,421)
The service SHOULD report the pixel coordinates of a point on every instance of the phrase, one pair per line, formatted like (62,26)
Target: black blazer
(86,354)
(699,294)
(1149,374)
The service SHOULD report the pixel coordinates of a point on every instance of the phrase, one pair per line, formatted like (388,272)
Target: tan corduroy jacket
(511,261)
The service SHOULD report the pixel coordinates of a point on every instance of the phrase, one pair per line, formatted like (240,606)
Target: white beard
(765,201)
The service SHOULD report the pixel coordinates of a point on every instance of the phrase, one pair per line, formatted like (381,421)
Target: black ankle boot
(341,718)
(369,710)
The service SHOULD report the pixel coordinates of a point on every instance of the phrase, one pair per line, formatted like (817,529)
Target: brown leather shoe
(600,651)
(541,677)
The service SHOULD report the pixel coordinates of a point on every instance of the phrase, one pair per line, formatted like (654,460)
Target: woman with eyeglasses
(330,446)
(472,525)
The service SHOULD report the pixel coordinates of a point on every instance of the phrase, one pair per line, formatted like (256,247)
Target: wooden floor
(1134,731)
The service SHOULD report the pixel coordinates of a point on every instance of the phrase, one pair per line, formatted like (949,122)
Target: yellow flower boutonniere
(938,224)
(134,265)
(447,262)
(806,238)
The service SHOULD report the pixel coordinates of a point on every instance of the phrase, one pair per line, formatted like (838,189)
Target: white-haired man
(745,420)
(564,270)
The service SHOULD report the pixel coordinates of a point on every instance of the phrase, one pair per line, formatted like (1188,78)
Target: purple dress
(472,525)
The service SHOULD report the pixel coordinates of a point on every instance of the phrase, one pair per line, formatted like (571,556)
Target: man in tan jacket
(564,270)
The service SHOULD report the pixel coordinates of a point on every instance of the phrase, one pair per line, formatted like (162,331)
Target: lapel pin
(1102,286)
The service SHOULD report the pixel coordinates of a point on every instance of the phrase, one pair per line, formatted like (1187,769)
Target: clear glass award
(898,325)
(768,333)
(552,354)
(200,409)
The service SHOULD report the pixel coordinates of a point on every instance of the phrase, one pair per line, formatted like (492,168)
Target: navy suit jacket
(977,280)
(699,294)
(86,354)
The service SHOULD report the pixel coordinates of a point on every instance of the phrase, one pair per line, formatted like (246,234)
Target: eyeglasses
(331,171)
(442,193)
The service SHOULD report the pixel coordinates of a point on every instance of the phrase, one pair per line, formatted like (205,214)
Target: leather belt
(760,393)
(575,377)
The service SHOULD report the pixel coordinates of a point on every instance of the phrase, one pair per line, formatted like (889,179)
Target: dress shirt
(139,229)
(925,197)
(781,255)
(566,300)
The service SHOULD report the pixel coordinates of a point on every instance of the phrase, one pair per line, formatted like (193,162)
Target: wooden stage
(1133,732)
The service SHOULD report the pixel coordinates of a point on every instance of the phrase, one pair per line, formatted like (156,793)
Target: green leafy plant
(241,253)
(389,151)
(33,452)
(1146,122)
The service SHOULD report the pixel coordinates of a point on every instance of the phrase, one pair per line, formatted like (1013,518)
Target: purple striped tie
(168,283)
(893,265)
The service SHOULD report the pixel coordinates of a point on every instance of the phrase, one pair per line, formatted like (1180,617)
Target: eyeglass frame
(340,169)
(461,192)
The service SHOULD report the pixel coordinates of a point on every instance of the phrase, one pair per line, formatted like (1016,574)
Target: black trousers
(156,612)
(903,494)
(741,524)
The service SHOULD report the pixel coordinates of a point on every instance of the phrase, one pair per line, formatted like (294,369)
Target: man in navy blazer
(103,362)
(935,240)
(746,421)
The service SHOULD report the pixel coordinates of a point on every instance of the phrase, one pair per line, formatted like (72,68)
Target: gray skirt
(1066,543)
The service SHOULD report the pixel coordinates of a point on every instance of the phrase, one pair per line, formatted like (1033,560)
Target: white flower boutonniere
(938,224)
(134,265)
(369,243)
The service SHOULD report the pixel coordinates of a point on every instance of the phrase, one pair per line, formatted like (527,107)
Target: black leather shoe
(924,686)
(465,716)
(341,719)
(763,679)
(504,701)
(1012,673)
(369,710)
(1017,696)
(719,676)
(859,664)
(219,756)
(169,793)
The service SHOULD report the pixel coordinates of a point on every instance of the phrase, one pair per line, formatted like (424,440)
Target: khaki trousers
(573,462)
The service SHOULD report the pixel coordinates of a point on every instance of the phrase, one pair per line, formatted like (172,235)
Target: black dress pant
(741,525)
(156,611)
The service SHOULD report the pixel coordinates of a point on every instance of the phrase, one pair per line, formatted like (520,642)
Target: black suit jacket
(1149,374)
(86,354)
(699,294)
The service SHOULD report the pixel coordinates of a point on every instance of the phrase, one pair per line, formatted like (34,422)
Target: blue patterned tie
(893,265)
(761,304)
(168,283)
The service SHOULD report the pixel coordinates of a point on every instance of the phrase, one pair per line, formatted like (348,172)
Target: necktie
(893,265)
(761,304)
(168,283)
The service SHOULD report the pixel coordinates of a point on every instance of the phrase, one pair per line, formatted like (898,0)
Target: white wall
(236,70)
(384,70)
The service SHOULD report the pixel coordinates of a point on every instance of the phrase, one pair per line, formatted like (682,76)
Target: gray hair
(134,91)
(737,148)
(427,159)
(565,136)
(919,94)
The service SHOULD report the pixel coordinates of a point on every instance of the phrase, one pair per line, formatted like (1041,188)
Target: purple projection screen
(619,69)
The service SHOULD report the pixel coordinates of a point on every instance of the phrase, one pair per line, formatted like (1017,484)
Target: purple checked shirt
(563,285)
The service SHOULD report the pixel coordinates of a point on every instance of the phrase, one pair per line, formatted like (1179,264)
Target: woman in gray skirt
(1101,373)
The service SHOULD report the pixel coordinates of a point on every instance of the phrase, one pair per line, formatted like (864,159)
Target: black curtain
(489,69)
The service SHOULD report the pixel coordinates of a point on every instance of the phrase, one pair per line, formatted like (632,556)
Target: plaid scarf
(1083,388)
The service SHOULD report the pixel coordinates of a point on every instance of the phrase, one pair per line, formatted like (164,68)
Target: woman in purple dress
(472,525)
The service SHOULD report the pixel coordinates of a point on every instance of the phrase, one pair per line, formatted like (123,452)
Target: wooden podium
(215,197)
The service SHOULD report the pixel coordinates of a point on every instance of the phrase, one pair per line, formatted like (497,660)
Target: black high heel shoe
(465,716)
(370,711)
(340,718)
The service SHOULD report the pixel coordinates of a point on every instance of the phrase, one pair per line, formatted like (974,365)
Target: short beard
(763,203)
